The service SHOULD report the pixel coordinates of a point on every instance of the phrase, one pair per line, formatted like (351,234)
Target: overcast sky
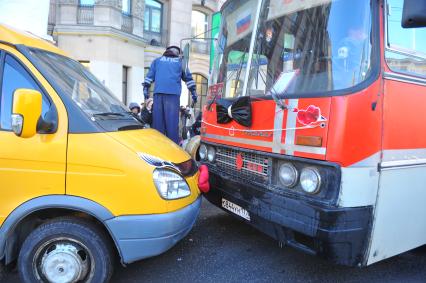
(28,15)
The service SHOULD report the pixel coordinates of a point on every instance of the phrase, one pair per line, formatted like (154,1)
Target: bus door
(400,209)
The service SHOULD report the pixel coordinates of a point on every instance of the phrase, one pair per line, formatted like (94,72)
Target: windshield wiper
(240,69)
(131,127)
(278,102)
(106,114)
(273,92)
(116,114)
(238,72)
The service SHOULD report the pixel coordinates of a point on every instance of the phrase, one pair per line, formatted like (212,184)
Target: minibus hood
(151,142)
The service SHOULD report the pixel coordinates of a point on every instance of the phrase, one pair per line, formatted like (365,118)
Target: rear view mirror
(27,105)
(185,59)
(414,14)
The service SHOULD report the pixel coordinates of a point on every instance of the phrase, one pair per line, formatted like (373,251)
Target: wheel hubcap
(62,262)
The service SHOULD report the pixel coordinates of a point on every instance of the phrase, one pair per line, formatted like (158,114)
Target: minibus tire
(70,238)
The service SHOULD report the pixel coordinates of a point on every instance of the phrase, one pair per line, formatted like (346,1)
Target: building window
(126,7)
(85,12)
(153,16)
(199,30)
(125,83)
(199,24)
(86,2)
(202,85)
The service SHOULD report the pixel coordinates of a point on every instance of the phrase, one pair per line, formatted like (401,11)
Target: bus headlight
(288,175)
(170,185)
(310,180)
(203,152)
(211,154)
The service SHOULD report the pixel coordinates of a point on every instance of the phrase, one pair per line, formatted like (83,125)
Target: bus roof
(10,35)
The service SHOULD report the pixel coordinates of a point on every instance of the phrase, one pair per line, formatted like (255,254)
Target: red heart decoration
(203,179)
(239,161)
(309,116)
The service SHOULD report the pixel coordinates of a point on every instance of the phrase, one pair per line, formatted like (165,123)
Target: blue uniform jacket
(167,74)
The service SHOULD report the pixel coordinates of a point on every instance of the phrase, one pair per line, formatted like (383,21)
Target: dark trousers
(166,115)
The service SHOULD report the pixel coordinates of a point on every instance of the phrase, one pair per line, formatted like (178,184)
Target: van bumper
(336,234)
(142,236)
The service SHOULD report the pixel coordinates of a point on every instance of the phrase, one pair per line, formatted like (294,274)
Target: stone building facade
(118,39)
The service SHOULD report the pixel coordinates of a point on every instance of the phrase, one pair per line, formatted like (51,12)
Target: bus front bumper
(336,234)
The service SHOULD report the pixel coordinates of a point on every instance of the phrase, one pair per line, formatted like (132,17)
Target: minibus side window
(15,76)
(406,48)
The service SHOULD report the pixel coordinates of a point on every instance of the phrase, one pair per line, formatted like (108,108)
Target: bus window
(406,48)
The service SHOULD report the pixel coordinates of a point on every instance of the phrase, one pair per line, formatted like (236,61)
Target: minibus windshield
(301,47)
(85,90)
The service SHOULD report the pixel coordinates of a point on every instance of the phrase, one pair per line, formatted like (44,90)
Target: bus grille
(255,167)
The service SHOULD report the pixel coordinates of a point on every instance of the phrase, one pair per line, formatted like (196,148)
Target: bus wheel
(65,250)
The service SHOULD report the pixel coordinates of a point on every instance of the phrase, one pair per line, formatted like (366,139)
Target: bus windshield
(301,47)
(233,45)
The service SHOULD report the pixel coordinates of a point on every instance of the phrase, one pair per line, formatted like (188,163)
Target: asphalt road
(221,248)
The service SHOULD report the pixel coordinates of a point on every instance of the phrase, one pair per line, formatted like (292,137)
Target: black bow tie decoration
(239,111)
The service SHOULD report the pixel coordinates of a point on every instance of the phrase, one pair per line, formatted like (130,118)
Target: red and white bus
(316,129)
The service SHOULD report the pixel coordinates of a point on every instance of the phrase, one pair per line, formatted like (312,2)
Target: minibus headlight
(211,154)
(288,175)
(310,180)
(203,152)
(170,185)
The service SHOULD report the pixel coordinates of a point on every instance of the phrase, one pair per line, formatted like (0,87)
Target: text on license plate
(236,209)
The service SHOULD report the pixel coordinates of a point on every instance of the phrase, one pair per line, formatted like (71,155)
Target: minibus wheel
(65,250)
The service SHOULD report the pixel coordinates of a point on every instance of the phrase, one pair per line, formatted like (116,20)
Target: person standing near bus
(167,73)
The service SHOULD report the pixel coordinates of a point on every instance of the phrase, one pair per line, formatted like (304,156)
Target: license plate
(236,209)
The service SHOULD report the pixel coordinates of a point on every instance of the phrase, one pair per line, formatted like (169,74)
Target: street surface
(221,248)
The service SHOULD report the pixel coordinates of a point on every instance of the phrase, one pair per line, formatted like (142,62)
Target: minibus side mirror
(27,105)
(414,14)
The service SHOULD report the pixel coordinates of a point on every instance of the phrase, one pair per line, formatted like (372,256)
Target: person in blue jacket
(167,73)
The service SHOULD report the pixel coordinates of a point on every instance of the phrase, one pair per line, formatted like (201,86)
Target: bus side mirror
(414,14)
(27,105)
(185,59)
